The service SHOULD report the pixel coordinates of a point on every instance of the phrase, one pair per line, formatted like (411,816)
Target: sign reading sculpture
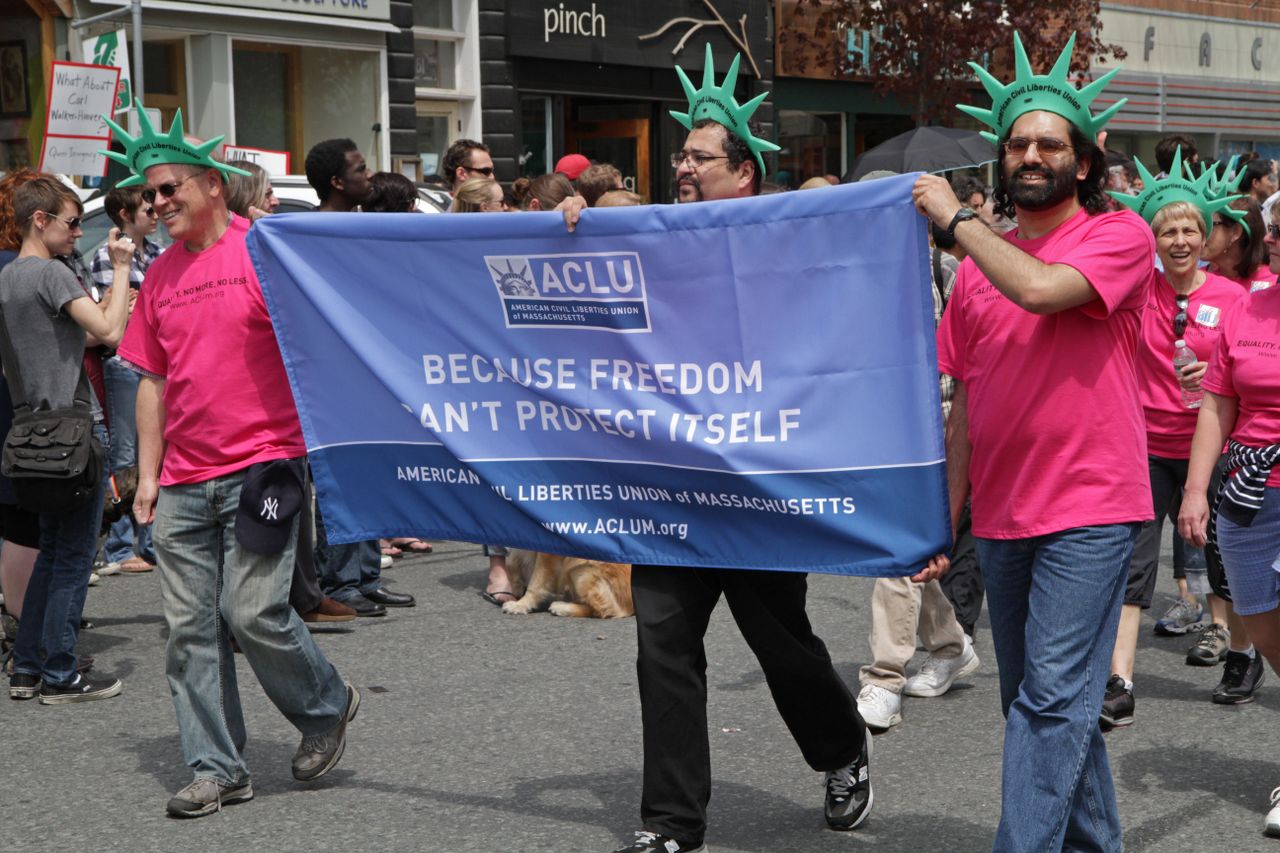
(747,383)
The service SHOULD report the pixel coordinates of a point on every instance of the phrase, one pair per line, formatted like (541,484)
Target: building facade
(597,77)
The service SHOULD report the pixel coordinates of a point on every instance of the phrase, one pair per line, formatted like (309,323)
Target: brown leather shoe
(327,613)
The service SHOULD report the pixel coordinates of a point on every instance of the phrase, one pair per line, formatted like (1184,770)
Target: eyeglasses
(1274,231)
(1046,146)
(73,223)
(1180,319)
(151,211)
(696,158)
(166,190)
(487,171)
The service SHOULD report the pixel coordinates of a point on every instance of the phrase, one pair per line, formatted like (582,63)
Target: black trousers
(304,592)
(962,584)
(673,607)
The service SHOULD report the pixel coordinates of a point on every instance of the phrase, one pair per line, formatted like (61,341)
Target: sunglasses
(487,171)
(1180,319)
(73,223)
(166,190)
(1274,231)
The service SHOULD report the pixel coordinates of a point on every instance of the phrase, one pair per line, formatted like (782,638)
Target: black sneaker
(81,689)
(318,754)
(849,796)
(1241,678)
(23,686)
(1117,705)
(205,796)
(652,842)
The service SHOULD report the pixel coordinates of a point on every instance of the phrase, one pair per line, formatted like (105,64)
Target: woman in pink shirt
(1185,304)
(1242,402)
(1235,250)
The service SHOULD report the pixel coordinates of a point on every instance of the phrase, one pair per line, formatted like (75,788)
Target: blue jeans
(54,602)
(211,587)
(1054,603)
(126,538)
(346,571)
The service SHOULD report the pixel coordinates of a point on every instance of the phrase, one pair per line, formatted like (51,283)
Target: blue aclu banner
(748,383)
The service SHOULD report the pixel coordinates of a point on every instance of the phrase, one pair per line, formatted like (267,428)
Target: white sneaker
(93,578)
(936,675)
(880,707)
(107,569)
(1273,816)
(387,562)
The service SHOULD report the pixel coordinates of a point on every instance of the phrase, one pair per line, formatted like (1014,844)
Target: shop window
(437,14)
(264,109)
(164,64)
(289,97)
(434,64)
(812,146)
(436,44)
(535,136)
(435,131)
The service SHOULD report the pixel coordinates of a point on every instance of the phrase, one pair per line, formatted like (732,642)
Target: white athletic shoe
(936,675)
(387,562)
(1273,816)
(880,707)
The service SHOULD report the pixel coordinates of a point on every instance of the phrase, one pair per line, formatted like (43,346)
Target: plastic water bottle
(1183,356)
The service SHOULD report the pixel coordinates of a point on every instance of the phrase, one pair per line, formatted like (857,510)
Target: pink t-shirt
(1246,366)
(1170,424)
(1262,279)
(1054,414)
(201,324)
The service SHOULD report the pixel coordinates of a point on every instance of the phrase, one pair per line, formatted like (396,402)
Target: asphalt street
(482,732)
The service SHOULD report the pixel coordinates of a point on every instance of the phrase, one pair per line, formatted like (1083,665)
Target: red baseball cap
(572,165)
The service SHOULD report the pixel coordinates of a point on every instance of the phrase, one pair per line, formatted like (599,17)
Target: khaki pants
(900,609)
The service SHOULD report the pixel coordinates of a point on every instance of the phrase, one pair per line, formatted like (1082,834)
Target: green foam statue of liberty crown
(149,149)
(1179,186)
(1051,92)
(1223,179)
(718,104)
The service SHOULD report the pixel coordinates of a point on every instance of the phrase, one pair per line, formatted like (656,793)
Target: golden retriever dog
(568,586)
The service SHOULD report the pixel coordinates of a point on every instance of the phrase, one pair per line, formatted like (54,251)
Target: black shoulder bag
(50,454)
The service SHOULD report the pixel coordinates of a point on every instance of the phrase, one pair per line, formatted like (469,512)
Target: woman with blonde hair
(251,197)
(477,195)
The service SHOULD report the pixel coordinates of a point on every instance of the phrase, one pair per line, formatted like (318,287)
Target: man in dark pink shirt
(221,472)
(1046,431)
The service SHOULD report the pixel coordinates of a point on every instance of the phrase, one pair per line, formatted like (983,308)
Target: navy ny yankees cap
(272,494)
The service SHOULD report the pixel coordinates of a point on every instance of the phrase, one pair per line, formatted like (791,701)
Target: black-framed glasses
(73,223)
(1180,319)
(487,171)
(1274,231)
(1047,146)
(696,158)
(166,190)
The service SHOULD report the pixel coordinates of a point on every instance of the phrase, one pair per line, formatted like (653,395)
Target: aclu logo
(588,290)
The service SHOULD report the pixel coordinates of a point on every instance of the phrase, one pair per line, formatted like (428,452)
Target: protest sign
(79,96)
(276,163)
(112,48)
(748,383)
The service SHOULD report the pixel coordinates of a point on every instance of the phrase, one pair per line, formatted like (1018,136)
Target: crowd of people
(1106,341)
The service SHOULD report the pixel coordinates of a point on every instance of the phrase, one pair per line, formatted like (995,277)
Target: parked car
(293,191)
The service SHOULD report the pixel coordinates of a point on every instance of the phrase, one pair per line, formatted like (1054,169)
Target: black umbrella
(925,149)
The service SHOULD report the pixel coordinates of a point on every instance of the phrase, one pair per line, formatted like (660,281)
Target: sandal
(389,549)
(492,597)
(411,545)
(136,566)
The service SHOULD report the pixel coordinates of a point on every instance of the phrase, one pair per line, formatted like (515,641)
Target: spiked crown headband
(718,104)
(150,148)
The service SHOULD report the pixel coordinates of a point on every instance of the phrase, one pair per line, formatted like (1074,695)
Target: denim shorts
(1250,557)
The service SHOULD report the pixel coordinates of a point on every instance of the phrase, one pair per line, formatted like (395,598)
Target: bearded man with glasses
(1046,428)
(222,473)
